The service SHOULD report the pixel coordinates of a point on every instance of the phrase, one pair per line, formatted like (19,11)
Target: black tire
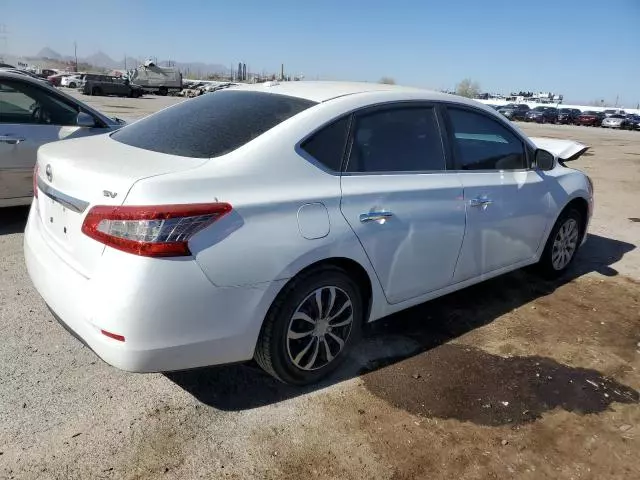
(546,264)
(96,91)
(72,85)
(272,350)
(163,91)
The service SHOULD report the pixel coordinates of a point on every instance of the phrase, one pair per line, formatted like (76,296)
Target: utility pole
(282,71)
(75,53)
(125,62)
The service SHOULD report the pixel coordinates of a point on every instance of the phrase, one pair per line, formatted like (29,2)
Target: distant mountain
(104,61)
(49,53)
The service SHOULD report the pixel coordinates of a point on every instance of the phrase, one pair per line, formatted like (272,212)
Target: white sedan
(271,221)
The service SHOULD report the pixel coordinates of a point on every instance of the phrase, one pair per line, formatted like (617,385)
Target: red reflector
(151,230)
(115,336)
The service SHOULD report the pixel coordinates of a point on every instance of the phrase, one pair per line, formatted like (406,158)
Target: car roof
(322,91)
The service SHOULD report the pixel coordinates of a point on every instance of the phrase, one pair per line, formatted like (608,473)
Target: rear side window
(397,140)
(211,125)
(327,145)
(482,143)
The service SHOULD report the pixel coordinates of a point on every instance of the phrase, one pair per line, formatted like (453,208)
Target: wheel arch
(582,206)
(353,268)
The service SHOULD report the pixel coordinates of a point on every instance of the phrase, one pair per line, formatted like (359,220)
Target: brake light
(152,230)
(35,181)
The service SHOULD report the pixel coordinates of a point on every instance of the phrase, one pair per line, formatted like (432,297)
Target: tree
(468,88)
(387,80)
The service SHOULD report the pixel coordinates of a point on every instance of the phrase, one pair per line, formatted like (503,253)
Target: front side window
(398,140)
(482,143)
(22,103)
(211,125)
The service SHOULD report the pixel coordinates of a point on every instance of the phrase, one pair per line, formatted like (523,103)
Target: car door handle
(11,140)
(480,202)
(374,216)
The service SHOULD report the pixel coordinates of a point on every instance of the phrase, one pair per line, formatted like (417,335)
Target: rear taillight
(35,181)
(153,230)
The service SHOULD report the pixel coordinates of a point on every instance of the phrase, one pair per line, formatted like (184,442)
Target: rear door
(403,205)
(506,201)
(30,117)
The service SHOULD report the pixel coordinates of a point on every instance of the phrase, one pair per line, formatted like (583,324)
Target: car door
(506,201)
(405,208)
(30,116)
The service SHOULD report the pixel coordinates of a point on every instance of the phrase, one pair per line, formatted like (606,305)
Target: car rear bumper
(171,316)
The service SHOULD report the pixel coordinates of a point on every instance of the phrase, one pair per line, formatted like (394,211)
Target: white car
(72,81)
(271,221)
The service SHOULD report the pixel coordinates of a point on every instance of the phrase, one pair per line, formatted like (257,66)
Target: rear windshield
(212,124)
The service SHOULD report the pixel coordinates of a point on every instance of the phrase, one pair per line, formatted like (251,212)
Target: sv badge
(107,193)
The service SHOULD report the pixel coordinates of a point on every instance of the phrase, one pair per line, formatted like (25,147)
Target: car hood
(563,149)
(613,120)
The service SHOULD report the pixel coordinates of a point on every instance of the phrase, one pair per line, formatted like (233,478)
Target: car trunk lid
(75,175)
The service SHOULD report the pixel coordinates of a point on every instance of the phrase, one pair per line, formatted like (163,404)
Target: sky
(585,49)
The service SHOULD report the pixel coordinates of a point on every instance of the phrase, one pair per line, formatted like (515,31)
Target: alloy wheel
(565,244)
(319,328)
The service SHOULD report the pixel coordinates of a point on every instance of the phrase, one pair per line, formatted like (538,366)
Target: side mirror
(85,120)
(544,160)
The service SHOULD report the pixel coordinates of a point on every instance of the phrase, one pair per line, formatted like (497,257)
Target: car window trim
(53,93)
(299,149)
(395,105)
(479,111)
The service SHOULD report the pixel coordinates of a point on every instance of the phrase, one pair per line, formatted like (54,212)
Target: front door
(507,202)
(397,196)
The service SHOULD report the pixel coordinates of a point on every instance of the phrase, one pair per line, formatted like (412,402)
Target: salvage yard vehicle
(98,85)
(515,112)
(33,113)
(154,79)
(615,121)
(542,115)
(568,116)
(272,221)
(590,118)
(72,81)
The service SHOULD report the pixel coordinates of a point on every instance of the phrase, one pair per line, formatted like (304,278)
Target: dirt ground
(512,378)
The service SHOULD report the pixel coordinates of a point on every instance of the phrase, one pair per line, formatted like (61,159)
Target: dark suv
(515,112)
(542,115)
(107,85)
(568,116)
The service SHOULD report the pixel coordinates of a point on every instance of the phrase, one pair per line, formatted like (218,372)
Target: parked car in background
(33,113)
(515,112)
(55,80)
(615,121)
(542,115)
(98,85)
(633,122)
(72,81)
(138,240)
(568,116)
(590,118)
(613,111)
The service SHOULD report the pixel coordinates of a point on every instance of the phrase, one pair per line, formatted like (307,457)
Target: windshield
(211,125)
